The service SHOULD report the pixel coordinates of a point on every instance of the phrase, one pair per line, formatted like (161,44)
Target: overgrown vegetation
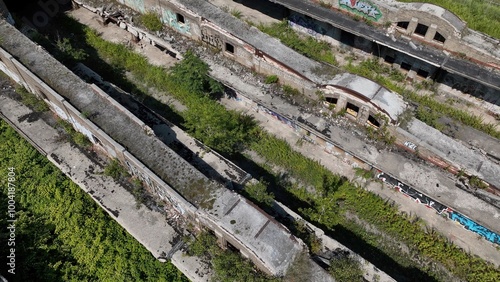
(30,100)
(258,193)
(227,265)
(319,195)
(77,137)
(346,268)
(270,79)
(188,81)
(61,233)
(312,48)
(115,170)
(151,21)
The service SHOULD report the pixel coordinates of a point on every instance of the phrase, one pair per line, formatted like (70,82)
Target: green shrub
(270,79)
(115,170)
(31,100)
(151,21)
(290,91)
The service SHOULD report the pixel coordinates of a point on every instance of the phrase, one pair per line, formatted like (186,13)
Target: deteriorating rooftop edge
(388,101)
(422,52)
(267,44)
(273,244)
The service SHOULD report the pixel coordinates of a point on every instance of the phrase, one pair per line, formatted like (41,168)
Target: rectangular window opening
(180,18)
(352,109)
(229,48)
(332,100)
(422,73)
(405,66)
(389,59)
(421,29)
(403,24)
(373,121)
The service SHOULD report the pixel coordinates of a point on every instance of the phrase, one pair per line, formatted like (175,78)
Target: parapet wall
(69,113)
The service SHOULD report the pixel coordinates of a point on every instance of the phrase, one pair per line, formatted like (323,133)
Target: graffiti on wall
(277,116)
(170,18)
(361,7)
(471,225)
(137,5)
(421,198)
(212,39)
(410,145)
(306,24)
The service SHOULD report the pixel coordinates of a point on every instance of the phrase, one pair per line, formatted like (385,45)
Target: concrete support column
(363,114)
(412,26)
(221,240)
(431,32)
(341,103)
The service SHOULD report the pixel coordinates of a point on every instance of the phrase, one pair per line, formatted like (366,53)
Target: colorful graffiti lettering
(421,198)
(471,225)
(362,8)
(170,18)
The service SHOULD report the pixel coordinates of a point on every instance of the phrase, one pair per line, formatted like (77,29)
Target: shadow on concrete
(265,7)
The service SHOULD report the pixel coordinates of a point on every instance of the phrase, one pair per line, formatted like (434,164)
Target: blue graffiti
(172,20)
(309,24)
(421,198)
(473,226)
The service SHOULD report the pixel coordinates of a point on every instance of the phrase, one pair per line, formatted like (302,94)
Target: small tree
(258,193)
(192,74)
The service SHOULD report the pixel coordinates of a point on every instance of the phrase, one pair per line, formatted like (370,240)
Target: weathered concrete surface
(150,228)
(455,152)
(394,162)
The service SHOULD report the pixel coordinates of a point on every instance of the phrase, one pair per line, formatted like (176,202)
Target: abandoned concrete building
(365,101)
(233,219)
(425,41)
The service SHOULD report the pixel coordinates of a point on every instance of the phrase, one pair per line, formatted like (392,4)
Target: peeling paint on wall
(137,5)
(170,18)
(363,8)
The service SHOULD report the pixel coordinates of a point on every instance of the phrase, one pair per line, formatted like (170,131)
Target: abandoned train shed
(202,21)
(233,219)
